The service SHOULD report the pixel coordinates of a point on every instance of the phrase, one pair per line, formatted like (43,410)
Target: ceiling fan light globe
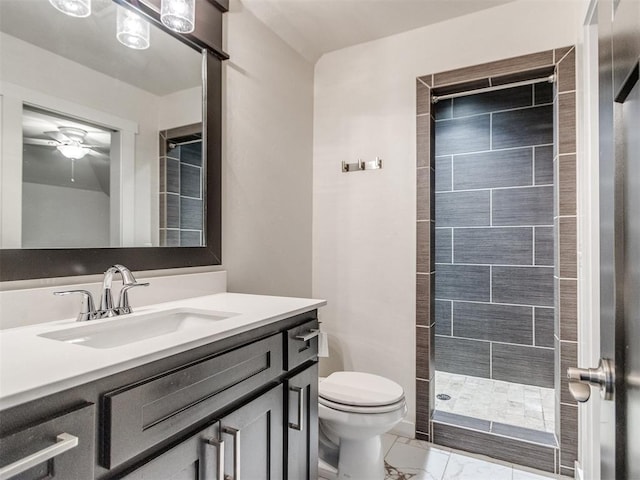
(74,152)
(73,8)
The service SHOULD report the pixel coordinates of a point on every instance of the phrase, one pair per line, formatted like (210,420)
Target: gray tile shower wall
(494,314)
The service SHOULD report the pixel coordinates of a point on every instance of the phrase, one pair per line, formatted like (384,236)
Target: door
(619,138)
(301,450)
(253,437)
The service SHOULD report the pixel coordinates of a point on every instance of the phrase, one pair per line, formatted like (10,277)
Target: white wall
(267,190)
(63,217)
(364,258)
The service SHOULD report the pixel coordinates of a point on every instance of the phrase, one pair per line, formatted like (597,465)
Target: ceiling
(316,27)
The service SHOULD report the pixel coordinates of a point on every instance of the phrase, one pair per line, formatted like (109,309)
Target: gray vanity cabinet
(302,425)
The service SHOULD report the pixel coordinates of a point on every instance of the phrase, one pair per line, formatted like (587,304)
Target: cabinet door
(302,425)
(253,438)
(196,458)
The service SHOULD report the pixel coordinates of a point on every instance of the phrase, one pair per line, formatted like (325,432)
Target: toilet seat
(359,392)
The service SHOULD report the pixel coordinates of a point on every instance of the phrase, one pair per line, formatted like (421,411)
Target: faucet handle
(123,301)
(87,309)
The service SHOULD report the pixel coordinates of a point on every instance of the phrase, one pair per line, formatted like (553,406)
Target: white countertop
(32,366)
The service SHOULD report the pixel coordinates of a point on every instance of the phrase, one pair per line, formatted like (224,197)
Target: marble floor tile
(461,467)
(388,440)
(423,463)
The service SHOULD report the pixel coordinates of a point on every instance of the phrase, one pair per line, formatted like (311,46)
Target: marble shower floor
(497,401)
(407,459)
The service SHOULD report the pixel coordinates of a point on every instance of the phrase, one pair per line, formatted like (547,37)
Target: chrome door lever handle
(581,380)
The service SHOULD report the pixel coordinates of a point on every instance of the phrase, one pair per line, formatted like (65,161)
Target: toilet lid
(360,389)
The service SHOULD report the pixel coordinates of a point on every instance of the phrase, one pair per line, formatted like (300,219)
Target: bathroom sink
(129,329)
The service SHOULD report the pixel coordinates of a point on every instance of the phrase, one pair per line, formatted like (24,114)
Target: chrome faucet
(106,310)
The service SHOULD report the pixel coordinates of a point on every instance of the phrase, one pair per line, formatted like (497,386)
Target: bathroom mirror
(108,152)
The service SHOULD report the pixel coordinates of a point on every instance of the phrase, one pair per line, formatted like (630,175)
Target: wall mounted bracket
(362,165)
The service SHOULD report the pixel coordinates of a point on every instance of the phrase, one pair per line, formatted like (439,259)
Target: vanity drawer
(63,447)
(301,344)
(139,416)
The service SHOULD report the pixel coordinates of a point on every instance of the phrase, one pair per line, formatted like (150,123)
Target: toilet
(355,409)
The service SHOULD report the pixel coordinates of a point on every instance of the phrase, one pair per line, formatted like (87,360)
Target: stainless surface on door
(619,118)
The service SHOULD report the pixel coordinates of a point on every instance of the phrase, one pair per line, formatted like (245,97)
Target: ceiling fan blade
(40,141)
(95,153)
(58,136)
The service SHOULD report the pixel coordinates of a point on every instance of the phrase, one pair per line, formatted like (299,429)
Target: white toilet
(355,409)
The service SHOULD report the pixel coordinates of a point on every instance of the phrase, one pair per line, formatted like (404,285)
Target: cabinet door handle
(300,425)
(235,433)
(219,444)
(313,333)
(64,442)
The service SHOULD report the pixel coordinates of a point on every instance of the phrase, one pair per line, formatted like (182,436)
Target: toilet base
(361,459)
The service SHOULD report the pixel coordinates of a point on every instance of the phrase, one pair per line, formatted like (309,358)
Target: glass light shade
(73,8)
(132,30)
(74,152)
(178,15)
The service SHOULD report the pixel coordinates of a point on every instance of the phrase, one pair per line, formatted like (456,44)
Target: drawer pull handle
(219,444)
(313,333)
(64,442)
(236,450)
(300,425)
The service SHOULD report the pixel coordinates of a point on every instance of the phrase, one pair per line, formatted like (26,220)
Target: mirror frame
(24,264)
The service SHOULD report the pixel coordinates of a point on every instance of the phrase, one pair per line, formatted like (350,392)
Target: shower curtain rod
(549,79)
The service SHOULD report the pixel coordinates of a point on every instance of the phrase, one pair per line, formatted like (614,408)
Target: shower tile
(192,153)
(500,323)
(465,357)
(502,168)
(545,438)
(426,79)
(422,300)
(423,348)
(501,448)
(443,174)
(462,421)
(462,135)
(567,72)
(492,101)
(568,310)
(515,363)
(162,206)
(544,165)
(443,245)
(568,358)
(510,246)
(491,69)
(173,152)
(523,206)
(173,211)
(172,238)
(523,285)
(443,317)
(423,253)
(462,282)
(163,174)
(544,320)
(423,98)
(524,127)
(568,435)
(567,185)
(190,238)
(423,186)
(544,246)
(443,109)
(463,209)
(173,175)
(561,52)
(423,413)
(543,93)
(566,123)
(190,213)
(568,247)
(190,181)
(423,133)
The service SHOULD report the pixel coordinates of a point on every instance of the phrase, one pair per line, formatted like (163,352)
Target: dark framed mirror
(200,230)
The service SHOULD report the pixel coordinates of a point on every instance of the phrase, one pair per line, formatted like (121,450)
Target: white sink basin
(129,329)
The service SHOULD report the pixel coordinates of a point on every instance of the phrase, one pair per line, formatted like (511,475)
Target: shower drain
(443,396)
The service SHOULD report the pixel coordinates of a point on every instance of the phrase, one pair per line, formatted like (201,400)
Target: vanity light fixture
(132,29)
(178,15)
(74,152)
(73,8)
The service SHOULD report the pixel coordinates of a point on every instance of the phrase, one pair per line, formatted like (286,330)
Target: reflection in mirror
(81,118)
